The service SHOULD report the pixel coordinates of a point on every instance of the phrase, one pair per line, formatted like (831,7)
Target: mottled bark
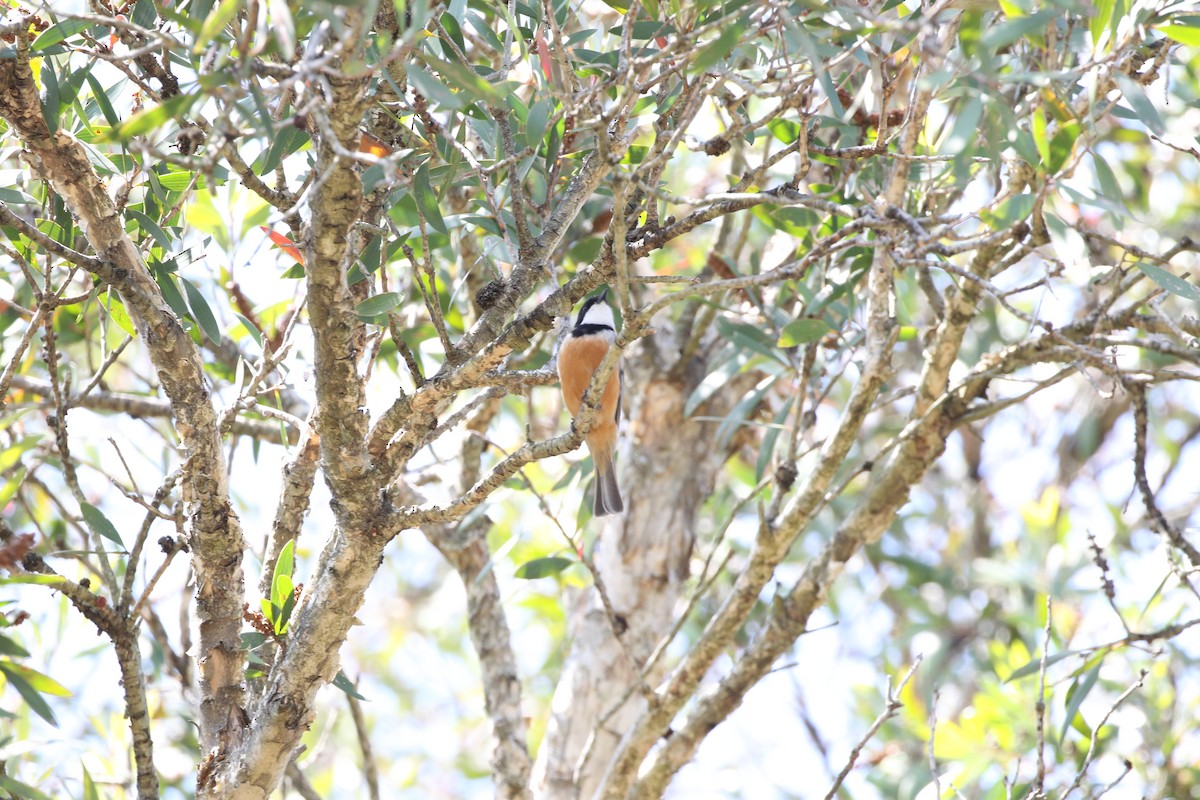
(355,549)
(212,526)
(667,469)
(299,474)
(501,682)
(122,630)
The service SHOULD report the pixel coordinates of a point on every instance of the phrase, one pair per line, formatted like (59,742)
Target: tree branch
(213,526)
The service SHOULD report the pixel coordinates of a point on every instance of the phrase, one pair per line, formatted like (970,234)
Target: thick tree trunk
(667,468)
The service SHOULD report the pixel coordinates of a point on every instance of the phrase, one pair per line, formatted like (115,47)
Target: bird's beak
(603,297)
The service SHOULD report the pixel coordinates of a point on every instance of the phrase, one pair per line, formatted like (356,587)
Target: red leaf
(285,244)
(544,55)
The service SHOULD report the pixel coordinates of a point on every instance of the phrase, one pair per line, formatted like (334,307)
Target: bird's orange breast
(577,362)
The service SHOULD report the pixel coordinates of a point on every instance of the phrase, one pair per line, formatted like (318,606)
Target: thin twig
(890,710)
(370,770)
(1095,738)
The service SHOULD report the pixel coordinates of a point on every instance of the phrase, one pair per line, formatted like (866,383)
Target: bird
(580,355)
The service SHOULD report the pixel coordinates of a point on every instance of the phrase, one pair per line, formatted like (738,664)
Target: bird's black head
(595,314)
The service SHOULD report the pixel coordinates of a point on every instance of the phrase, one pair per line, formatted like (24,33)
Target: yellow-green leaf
(214,23)
(803,331)
(154,118)
(117,313)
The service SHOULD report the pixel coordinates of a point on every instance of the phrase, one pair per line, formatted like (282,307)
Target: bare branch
(890,710)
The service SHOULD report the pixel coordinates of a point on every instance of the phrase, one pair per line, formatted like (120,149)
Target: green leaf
(250,327)
(717,49)
(10,648)
(117,313)
(9,491)
(748,337)
(151,227)
(69,92)
(379,304)
(1172,283)
(427,200)
(11,456)
(452,28)
(153,119)
(144,14)
(59,33)
(342,682)
(90,792)
(711,383)
(21,790)
(252,640)
(1062,145)
(1009,31)
(543,567)
(40,580)
(201,312)
(467,80)
(1140,102)
(170,291)
(286,562)
(283,599)
(433,88)
(285,611)
(803,331)
(282,25)
(1035,666)
(1110,187)
(1101,16)
(282,588)
(50,105)
(1184,29)
(101,98)
(646,28)
(539,117)
(489,224)
(739,414)
(1040,140)
(13,417)
(216,21)
(1075,696)
(43,684)
(37,703)
(784,130)
(99,523)
(285,142)
(178,181)
(966,128)
(16,198)
(1014,208)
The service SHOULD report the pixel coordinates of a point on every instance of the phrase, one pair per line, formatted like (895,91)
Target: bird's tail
(608,493)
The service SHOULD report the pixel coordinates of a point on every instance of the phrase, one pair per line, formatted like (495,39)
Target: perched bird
(578,359)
